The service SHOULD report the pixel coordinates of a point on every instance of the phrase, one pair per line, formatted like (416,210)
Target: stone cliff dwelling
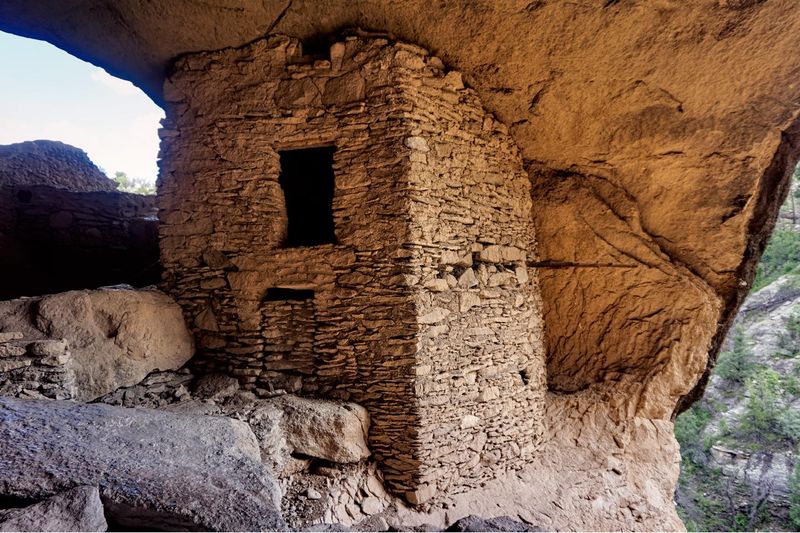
(472,261)
(365,239)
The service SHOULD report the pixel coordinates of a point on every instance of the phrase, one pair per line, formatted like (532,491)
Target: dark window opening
(317,47)
(307,182)
(276,294)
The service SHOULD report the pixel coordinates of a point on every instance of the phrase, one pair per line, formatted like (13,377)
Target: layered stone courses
(35,368)
(52,240)
(423,311)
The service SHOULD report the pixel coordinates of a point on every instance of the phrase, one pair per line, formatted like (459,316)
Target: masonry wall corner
(421,307)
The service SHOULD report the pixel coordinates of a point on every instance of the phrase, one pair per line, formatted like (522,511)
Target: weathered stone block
(103,339)
(176,472)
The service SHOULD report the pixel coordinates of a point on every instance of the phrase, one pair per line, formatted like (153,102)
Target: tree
(736,365)
(789,339)
(134,185)
(781,256)
(761,410)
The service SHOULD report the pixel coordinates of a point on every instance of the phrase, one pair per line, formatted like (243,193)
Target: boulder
(155,470)
(332,431)
(78,509)
(115,335)
(216,387)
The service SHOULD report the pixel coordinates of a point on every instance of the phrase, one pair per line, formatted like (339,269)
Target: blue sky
(45,93)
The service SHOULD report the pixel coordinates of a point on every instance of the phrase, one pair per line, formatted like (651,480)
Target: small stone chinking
(35,368)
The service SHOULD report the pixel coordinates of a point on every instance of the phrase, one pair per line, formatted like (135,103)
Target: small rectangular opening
(307,181)
(277,294)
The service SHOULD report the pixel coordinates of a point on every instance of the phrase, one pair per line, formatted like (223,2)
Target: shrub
(789,340)
(689,426)
(780,257)
(761,410)
(790,385)
(789,423)
(736,365)
(134,185)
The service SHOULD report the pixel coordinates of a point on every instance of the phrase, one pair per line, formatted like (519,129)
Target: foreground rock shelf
(154,470)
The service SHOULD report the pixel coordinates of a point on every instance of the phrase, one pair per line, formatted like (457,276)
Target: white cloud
(121,87)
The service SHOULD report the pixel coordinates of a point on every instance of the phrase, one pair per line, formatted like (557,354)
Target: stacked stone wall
(35,368)
(224,222)
(480,377)
(56,240)
(422,309)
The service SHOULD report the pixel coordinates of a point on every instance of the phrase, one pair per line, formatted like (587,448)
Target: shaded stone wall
(55,240)
(422,309)
(35,369)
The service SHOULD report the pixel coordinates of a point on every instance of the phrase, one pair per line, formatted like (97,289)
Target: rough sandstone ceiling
(657,133)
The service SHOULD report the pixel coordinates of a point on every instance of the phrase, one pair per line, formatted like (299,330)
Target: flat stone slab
(154,470)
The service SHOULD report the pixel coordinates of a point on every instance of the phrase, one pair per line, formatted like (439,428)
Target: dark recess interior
(307,182)
(277,294)
(99,245)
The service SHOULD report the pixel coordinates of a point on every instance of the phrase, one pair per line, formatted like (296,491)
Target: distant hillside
(739,444)
(51,163)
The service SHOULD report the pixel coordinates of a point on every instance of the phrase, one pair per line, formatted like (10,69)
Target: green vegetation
(790,385)
(691,424)
(794,497)
(760,419)
(750,409)
(134,185)
(789,342)
(782,254)
(736,365)
(789,423)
